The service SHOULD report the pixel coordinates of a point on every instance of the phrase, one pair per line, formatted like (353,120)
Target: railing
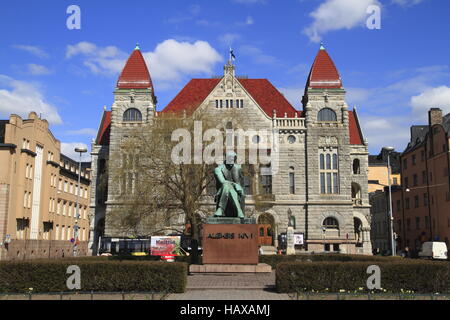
(290,123)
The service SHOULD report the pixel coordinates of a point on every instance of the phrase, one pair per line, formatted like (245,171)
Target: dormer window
(132,115)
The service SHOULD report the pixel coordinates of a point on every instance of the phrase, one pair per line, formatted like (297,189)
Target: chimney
(434,116)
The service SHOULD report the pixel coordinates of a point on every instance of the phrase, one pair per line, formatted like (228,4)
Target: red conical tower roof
(135,74)
(323,74)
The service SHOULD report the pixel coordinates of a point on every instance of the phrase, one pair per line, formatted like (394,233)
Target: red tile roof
(264,93)
(355,133)
(104,130)
(323,74)
(135,74)
(191,96)
(269,98)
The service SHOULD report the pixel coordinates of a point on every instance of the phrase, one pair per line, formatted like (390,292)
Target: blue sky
(393,75)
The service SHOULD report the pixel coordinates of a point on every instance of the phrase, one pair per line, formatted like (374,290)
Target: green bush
(396,276)
(97,274)
(273,260)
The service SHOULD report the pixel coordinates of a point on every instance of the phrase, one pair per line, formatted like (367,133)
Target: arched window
(132,115)
(356,167)
(330,223)
(326,114)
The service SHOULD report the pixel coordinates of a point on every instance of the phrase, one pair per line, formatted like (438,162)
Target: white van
(434,250)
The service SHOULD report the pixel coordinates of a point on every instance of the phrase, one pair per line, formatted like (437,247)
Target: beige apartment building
(38,192)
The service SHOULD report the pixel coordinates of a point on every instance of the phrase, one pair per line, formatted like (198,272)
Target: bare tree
(155,189)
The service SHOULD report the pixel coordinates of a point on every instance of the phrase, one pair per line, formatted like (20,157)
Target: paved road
(228,294)
(230,287)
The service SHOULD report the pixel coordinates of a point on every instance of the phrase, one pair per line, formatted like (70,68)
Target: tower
(134,106)
(337,195)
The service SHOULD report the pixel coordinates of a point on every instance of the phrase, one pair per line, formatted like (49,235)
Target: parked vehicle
(434,250)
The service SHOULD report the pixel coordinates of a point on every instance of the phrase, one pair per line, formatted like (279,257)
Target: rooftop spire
(322,47)
(135,74)
(324,74)
(137,46)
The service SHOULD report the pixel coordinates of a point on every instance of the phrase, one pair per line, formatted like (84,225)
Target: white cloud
(83,132)
(22,97)
(334,15)
(438,97)
(228,39)
(68,149)
(380,131)
(406,3)
(170,61)
(100,60)
(248,22)
(37,69)
(34,50)
(293,95)
(257,55)
(249,1)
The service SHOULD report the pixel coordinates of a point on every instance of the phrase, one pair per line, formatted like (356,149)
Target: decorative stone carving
(328,141)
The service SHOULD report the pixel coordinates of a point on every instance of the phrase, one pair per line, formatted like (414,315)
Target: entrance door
(265,233)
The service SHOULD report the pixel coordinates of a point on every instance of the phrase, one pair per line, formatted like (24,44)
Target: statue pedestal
(229,244)
(290,248)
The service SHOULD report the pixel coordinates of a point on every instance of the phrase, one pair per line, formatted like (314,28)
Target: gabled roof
(264,93)
(135,74)
(104,129)
(355,133)
(269,98)
(191,96)
(323,74)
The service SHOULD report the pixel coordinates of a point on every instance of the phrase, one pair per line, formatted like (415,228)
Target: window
(424,177)
(330,223)
(406,182)
(425,199)
(395,182)
(416,201)
(291,139)
(405,164)
(21,226)
(266,182)
(414,159)
(427,222)
(417,223)
(132,115)
(408,224)
(326,115)
(399,224)
(407,203)
(356,169)
(399,205)
(329,173)
(291,181)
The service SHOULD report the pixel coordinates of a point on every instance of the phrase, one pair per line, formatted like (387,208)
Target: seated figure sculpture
(230,197)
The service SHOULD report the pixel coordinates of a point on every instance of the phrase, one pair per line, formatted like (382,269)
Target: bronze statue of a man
(230,197)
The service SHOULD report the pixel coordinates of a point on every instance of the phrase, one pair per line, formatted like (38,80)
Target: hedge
(396,277)
(274,260)
(97,275)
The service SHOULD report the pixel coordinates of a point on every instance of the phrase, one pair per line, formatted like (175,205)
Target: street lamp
(76,227)
(391,217)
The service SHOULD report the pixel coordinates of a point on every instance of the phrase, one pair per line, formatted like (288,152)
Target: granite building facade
(321,179)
